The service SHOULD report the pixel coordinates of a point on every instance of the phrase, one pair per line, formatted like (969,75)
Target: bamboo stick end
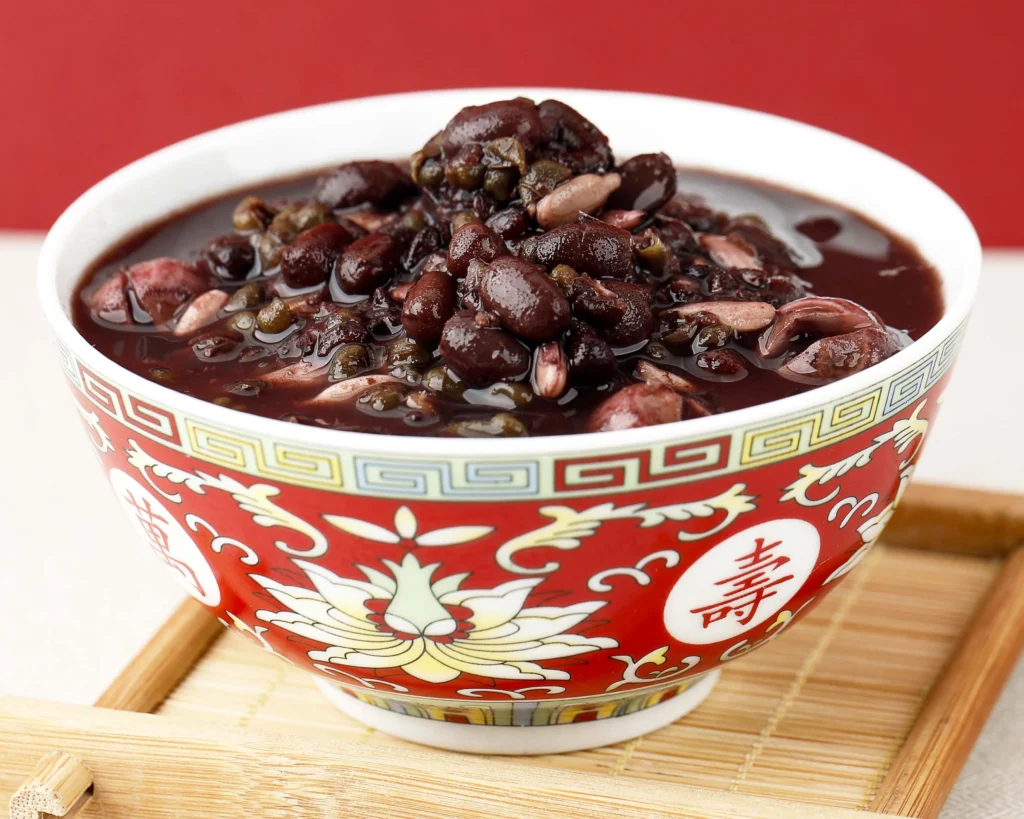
(60,786)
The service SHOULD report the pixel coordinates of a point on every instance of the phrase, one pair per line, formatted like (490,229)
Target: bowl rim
(954,313)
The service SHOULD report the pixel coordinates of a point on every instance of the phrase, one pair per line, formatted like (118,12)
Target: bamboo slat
(817,715)
(164,661)
(145,765)
(868,708)
(955,713)
(951,519)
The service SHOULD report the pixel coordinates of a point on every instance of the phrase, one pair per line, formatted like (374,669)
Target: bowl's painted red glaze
(513,582)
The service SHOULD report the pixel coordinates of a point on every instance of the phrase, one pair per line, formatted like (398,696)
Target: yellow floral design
(433,630)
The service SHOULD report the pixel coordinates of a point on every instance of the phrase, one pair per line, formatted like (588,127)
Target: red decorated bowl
(528,595)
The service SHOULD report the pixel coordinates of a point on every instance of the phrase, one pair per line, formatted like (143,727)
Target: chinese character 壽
(757,575)
(159,542)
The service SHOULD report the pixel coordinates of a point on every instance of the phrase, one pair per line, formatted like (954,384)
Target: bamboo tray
(869,708)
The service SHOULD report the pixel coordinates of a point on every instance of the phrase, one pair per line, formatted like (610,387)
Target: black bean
(368,263)
(483,123)
(593,301)
(591,360)
(354,183)
(426,241)
(510,223)
(334,325)
(590,247)
(430,303)
(526,300)
(573,139)
(678,235)
(725,363)
(216,345)
(648,182)
(231,256)
(473,241)
(310,258)
(382,313)
(637,322)
(468,288)
(482,354)
(685,289)
(754,231)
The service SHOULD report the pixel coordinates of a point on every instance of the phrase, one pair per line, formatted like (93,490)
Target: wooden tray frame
(160,767)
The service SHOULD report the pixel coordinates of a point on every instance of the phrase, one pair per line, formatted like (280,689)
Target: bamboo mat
(816,715)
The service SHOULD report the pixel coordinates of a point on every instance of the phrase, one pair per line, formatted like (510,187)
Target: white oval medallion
(742,581)
(168,541)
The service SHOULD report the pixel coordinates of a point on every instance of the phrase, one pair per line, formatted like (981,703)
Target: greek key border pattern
(545,477)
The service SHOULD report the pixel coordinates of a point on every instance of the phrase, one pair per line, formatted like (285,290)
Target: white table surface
(77,602)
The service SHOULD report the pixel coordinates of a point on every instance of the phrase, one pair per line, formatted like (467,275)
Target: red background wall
(88,86)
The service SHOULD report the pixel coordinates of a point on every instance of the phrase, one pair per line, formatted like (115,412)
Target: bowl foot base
(525,740)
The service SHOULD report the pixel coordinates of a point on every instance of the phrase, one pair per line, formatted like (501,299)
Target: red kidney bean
(830,359)
(482,354)
(648,182)
(638,405)
(309,260)
(510,223)
(573,139)
(483,123)
(636,323)
(110,301)
(367,181)
(591,360)
(816,315)
(590,247)
(163,285)
(430,303)
(230,257)
(473,241)
(368,263)
(525,299)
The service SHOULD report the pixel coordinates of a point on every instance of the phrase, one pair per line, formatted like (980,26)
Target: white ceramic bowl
(649,516)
